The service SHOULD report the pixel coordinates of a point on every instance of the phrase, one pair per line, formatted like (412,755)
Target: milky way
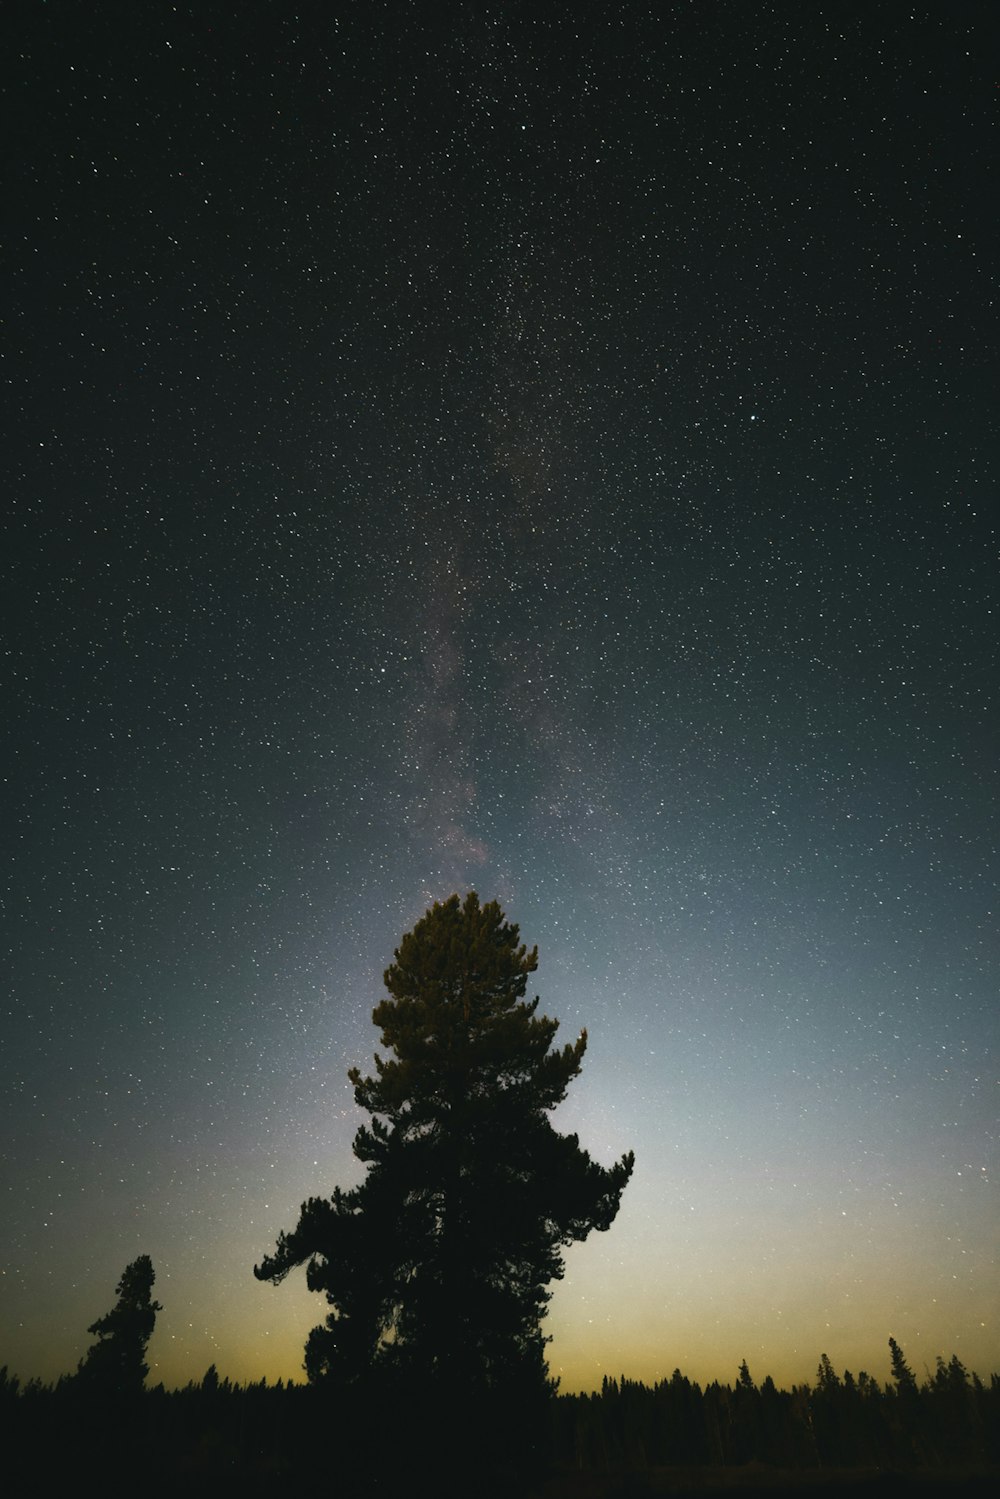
(550,455)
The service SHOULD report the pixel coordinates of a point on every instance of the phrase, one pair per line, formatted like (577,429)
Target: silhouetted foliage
(217,1437)
(843,1423)
(436,1267)
(116,1363)
(906,1382)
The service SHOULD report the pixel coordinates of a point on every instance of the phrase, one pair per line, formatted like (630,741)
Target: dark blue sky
(551,455)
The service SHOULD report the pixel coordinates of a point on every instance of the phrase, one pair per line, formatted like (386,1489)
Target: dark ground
(760,1481)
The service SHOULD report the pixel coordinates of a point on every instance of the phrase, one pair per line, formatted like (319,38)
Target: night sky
(550,454)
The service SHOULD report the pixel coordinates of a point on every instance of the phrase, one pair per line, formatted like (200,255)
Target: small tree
(116,1363)
(436,1267)
(906,1382)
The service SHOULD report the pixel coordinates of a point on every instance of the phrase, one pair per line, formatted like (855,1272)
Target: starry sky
(549,450)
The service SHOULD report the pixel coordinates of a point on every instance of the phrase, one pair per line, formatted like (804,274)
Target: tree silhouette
(906,1382)
(436,1266)
(116,1363)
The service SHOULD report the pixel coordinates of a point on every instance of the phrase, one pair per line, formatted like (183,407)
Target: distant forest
(951,1421)
(211,1433)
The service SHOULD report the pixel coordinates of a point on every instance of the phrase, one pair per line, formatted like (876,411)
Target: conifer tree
(906,1382)
(437,1265)
(116,1363)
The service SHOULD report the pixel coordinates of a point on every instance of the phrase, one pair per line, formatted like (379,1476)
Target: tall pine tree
(116,1363)
(436,1267)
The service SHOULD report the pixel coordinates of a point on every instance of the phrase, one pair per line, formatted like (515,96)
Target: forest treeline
(214,1429)
(951,1420)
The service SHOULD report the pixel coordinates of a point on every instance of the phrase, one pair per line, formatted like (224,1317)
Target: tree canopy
(437,1265)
